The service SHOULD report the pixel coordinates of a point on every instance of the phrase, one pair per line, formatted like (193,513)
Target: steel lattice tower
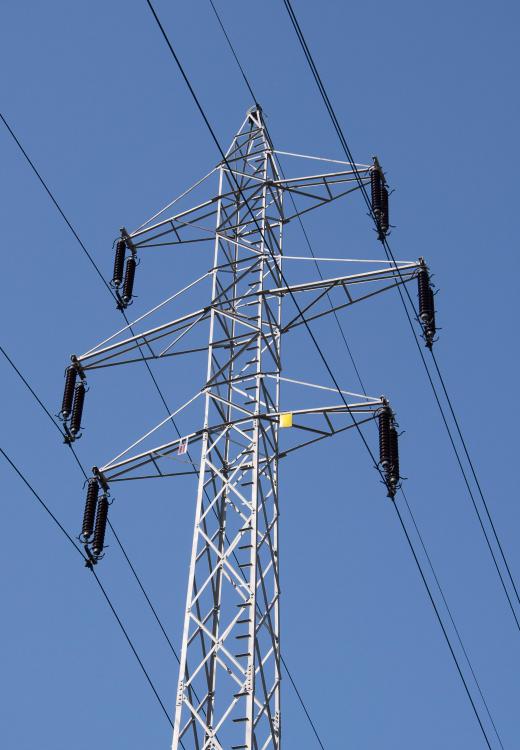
(231,625)
(228,694)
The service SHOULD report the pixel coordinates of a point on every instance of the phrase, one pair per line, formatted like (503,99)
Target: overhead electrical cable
(450,615)
(318,348)
(103,591)
(474,474)
(461,674)
(342,333)
(70,538)
(391,257)
(92,261)
(116,536)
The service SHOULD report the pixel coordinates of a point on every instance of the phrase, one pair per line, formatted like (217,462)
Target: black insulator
(425,297)
(119,261)
(68,392)
(375,185)
(90,509)
(432,307)
(77,409)
(98,542)
(394,473)
(128,285)
(385,217)
(385,420)
(426,305)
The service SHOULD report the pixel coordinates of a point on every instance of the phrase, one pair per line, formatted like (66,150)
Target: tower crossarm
(121,351)
(356,288)
(315,423)
(197,223)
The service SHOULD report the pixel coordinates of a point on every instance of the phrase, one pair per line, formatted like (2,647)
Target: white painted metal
(228,694)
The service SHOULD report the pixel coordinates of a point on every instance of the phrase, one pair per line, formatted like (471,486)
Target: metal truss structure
(228,694)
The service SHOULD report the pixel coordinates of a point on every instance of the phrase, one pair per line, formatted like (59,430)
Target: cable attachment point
(426,304)
(379,195)
(389,449)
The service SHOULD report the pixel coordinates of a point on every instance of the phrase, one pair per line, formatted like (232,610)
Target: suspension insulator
(98,542)
(423,282)
(426,305)
(385,217)
(77,409)
(119,261)
(432,327)
(90,509)
(128,285)
(68,392)
(385,420)
(393,472)
(375,186)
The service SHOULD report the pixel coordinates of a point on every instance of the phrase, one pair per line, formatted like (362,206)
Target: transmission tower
(228,694)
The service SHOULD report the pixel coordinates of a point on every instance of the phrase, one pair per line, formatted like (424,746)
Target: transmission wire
(106,596)
(390,255)
(473,471)
(442,625)
(455,628)
(91,259)
(55,423)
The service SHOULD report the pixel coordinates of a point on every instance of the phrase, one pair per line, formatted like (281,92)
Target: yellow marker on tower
(286,420)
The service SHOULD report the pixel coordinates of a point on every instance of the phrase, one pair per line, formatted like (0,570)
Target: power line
(139,582)
(473,471)
(390,255)
(82,469)
(89,256)
(56,204)
(302,702)
(455,628)
(107,598)
(132,647)
(461,674)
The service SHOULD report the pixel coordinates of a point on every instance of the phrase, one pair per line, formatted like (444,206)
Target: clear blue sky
(92,93)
